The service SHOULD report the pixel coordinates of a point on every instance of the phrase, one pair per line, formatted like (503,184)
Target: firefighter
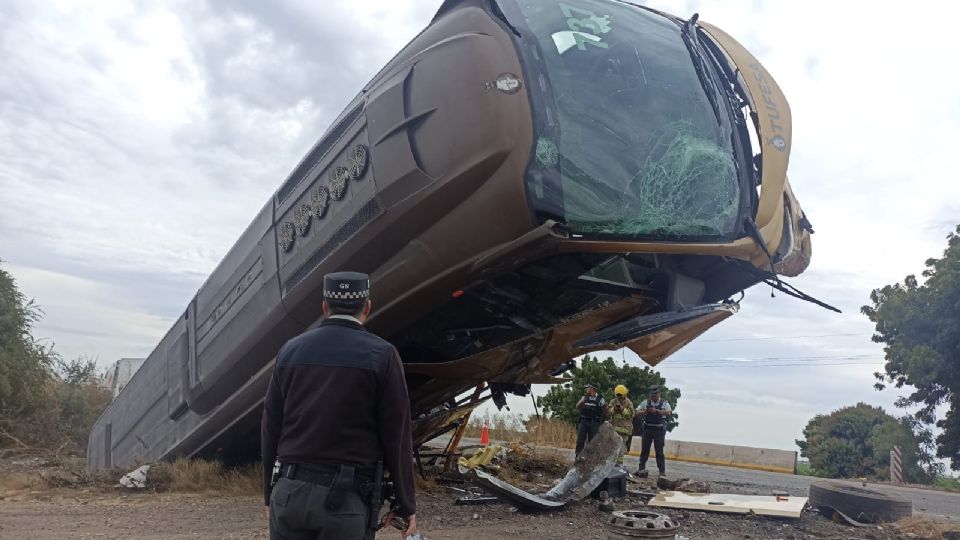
(336,408)
(592,408)
(621,415)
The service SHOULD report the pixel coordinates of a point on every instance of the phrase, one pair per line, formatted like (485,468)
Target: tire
(859,503)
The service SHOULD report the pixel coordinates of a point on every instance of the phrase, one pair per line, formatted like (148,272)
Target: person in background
(621,415)
(592,409)
(654,412)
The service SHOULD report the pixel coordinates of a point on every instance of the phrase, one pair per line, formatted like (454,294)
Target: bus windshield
(628,145)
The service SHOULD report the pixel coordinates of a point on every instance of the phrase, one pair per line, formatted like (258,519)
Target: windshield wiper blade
(689,36)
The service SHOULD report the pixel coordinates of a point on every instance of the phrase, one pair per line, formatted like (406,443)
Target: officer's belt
(323,475)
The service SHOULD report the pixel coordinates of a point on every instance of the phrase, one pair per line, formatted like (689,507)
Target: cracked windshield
(640,150)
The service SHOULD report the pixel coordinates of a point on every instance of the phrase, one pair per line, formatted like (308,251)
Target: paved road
(938,505)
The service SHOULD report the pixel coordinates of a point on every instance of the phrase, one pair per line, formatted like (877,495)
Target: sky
(139,138)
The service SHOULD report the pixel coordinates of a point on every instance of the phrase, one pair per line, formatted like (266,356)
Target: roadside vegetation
(919,325)
(560,402)
(949,483)
(855,442)
(45,401)
(509,427)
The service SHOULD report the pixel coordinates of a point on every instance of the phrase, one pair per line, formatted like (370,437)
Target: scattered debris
(641,524)
(685,485)
(593,465)
(643,495)
(512,494)
(473,500)
(615,484)
(482,457)
(136,479)
(792,507)
(605,505)
(856,504)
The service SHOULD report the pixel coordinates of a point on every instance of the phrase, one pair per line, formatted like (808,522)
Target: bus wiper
(688,34)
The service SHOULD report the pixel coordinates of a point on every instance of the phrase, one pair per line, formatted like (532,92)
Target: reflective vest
(654,419)
(592,408)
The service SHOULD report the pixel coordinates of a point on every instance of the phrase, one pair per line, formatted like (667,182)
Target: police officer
(336,406)
(654,412)
(592,408)
(621,415)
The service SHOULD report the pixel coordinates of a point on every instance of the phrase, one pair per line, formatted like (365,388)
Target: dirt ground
(45,498)
(176,516)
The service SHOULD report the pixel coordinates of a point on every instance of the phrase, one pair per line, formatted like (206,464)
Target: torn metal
(593,465)
(513,495)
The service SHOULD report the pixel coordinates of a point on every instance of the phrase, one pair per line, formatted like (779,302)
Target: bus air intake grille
(367,213)
(306,166)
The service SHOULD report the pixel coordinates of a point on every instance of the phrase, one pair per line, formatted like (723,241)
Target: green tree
(856,441)
(26,366)
(44,400)
(920,327)
(560,401)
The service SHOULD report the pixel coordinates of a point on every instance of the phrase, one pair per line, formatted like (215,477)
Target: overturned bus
(525,182)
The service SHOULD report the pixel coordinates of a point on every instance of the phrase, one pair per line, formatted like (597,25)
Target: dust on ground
(50,497)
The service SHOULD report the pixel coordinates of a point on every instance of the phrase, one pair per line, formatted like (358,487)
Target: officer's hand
(411,526)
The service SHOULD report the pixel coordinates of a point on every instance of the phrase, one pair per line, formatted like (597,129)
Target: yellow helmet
(620,390)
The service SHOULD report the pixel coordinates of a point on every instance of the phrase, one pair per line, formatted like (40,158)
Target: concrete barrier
(744,457)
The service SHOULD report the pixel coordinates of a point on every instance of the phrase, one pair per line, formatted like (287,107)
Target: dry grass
(198,476)
(516,428)
(13,484)
(924,528)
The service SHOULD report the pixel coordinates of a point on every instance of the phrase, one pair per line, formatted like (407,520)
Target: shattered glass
(635,149)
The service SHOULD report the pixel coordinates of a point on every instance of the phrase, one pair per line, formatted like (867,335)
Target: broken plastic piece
(136,478)
(733,504)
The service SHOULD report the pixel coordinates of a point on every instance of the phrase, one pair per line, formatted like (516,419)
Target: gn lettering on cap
(346,287)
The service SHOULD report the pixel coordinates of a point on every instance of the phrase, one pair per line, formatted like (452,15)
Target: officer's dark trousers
(586,431)
(297,512)
(656,437)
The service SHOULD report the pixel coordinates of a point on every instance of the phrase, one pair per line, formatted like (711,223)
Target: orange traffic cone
(485,434)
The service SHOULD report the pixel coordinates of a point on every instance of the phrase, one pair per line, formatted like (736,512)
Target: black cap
(346,288)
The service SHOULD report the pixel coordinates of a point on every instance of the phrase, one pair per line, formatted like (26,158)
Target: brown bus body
(420,183)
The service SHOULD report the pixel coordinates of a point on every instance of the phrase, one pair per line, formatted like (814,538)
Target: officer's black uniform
(591,416)
(337,403)
(654,432)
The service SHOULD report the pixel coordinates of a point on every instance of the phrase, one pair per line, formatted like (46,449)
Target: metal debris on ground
(592,466)
(641,524)
(511,494)
(136,478)
(473,500)
(790,507)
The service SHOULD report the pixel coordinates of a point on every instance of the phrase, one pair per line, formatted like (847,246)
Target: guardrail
(743,457)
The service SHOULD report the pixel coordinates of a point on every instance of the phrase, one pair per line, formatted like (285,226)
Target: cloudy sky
(138,139)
